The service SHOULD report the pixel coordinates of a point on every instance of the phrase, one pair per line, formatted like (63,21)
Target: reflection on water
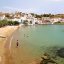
(34,41)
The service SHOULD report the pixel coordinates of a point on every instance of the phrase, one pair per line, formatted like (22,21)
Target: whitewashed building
(53,20)
(2,17)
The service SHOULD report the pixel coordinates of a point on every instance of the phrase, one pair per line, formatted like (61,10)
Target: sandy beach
(5,32)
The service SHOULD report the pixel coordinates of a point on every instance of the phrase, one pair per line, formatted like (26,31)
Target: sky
(33,6)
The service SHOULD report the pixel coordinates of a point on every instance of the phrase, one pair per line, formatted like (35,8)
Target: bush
(5,22)
(10,23)
(60,23)
(15,23)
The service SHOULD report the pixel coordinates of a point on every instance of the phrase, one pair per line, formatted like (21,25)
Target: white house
(16,19)
(34,21)
(45,18)
(2,17)
(53,20)
(62,20)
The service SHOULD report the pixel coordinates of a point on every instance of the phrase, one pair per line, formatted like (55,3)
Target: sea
(34,41)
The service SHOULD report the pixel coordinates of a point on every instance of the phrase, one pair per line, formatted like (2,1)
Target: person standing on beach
(17,44)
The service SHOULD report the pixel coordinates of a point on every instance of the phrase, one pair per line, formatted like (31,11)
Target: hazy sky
(36,6)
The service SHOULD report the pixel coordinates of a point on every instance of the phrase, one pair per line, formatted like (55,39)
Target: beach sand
(13,55)
(5,32)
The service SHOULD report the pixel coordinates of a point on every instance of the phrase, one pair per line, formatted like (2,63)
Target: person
(17,43)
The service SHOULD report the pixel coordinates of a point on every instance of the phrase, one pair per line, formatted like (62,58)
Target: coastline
(5,33)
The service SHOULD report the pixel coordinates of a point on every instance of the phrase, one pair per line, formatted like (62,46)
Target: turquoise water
(39,39)
(44,35)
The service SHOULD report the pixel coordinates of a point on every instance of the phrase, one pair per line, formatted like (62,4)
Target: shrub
(5,22)
(15,23)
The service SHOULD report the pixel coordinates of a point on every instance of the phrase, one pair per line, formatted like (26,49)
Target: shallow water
(36,40)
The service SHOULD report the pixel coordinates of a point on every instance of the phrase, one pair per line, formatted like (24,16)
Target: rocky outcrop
(60,52)
(46,59)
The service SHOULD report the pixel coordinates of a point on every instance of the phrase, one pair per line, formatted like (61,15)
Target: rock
(47,59)
(45,56)
(60,52)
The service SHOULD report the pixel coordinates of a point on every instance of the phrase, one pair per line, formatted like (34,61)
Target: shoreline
(5,33)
